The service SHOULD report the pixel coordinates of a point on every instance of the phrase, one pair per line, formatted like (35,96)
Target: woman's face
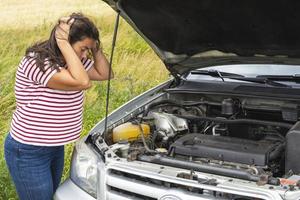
(82,47)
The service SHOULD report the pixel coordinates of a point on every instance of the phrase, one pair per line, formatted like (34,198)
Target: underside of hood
(251,31)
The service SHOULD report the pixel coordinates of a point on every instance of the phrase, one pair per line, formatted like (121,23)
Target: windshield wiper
(258,79)
(261,80)
(216,73)
(294,78)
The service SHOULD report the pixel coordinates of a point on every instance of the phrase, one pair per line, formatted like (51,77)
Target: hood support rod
(110,67)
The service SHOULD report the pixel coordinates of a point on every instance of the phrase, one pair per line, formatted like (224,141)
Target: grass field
(24,22)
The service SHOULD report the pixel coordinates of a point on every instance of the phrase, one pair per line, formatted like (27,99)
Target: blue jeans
(36,170)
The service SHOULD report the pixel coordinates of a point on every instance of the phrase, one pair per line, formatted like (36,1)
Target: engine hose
(237,121)
(143,138)
(190,165)
(153,137)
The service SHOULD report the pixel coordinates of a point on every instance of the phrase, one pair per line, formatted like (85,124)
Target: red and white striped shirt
(45,116)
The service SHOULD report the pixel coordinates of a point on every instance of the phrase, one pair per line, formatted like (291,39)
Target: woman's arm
(75,76)
(100,70)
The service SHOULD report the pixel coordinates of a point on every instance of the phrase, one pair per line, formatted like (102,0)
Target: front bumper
(69,191)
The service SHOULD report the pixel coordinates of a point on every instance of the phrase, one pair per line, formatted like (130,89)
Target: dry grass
(32,13)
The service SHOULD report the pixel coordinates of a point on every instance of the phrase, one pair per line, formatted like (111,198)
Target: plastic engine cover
(224,148)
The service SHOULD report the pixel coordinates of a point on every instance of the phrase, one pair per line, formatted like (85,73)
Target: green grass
(135,65)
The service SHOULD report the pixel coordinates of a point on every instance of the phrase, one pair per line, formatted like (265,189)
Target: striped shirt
(45,116)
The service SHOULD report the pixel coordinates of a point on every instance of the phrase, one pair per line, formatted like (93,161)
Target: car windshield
(271,75)
(254,70)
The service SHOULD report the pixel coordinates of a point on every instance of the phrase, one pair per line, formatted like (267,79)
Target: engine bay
(227,136)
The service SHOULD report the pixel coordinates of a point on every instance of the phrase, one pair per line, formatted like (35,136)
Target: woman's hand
(96,48)
(63,29)
(100,70)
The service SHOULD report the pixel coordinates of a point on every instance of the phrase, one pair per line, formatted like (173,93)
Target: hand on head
(63,28)
(96,47)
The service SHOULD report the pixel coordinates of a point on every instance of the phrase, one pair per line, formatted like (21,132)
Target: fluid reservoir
(129,132)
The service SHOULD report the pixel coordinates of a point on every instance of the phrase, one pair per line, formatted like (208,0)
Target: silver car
(224,127)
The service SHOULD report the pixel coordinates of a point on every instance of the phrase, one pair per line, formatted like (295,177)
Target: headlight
(84,168)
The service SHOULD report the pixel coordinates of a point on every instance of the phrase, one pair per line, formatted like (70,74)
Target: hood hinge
(174,73)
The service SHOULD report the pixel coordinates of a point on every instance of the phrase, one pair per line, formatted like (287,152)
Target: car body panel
(69,190)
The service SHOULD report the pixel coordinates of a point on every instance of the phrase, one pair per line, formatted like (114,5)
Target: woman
(49,93)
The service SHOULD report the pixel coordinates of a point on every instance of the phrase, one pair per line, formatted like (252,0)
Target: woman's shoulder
(26,61)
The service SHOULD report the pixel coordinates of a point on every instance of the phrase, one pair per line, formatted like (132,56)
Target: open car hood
(199,33)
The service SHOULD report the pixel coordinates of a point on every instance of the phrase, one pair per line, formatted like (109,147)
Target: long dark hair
(81,28)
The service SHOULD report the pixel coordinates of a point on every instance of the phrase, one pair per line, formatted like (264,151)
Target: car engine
(224,138)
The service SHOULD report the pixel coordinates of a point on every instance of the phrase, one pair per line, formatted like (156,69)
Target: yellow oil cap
(129,132)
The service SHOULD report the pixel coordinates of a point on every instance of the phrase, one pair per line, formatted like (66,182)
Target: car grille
(123,185)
